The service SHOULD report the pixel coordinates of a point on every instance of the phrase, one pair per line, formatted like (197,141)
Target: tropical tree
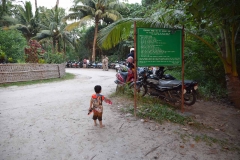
(28,23)
(133,11)
(52,26)
(94,10)
(221,21)
(7,10)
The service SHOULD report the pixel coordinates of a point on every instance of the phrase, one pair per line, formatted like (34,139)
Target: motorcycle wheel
(141,89)
(190,98)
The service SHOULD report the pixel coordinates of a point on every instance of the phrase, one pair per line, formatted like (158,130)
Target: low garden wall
(29,72)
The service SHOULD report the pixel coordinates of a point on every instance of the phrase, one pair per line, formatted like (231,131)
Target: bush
(54,58)
(3,56)
(12,44)
(33,52)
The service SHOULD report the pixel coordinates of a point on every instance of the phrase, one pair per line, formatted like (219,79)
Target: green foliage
(12,44)
(211,90)
(87,42)
(160,113)
(146,3)
(41,61)
(133,11)
(203,65)
(7,10)
(52,26)
(3,56)
(10,60)
(27,22)
(54,58)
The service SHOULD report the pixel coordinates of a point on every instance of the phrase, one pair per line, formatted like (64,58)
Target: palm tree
(7,10)
(96,10)
(52,26)
(28,22)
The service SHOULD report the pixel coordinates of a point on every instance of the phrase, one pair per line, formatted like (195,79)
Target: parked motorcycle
(68,64)
(123,78)
(75,64)
(169,90)
(118,66)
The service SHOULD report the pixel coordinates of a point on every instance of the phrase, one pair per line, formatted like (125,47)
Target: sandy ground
(50,122)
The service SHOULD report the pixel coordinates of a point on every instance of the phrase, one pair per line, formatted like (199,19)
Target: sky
(66,4)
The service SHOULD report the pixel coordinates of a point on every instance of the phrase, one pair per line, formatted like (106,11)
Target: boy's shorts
(97,115)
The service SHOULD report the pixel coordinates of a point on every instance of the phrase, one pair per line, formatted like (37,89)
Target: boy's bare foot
(95,124)
(101,126)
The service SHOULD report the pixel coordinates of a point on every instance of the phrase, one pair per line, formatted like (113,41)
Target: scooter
(123,78)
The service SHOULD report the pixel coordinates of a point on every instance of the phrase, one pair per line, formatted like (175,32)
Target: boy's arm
(90,105)
(107,100)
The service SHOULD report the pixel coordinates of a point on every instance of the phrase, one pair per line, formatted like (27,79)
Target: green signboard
(159,47)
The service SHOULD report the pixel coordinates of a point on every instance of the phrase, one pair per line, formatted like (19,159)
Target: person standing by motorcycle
(130,65)
(96,105)
(130,59)
(131,54)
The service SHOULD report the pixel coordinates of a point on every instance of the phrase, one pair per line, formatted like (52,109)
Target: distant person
(84,63)
(88,62)
(106,63)
(103,63)
(96,105)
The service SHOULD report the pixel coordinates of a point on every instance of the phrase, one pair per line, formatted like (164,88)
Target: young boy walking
(96,105)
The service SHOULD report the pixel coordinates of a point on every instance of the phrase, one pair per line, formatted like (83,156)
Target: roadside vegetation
(151,108)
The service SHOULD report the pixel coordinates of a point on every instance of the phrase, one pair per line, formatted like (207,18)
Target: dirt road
(50,122)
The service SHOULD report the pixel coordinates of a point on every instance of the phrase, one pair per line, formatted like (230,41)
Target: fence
(29,72)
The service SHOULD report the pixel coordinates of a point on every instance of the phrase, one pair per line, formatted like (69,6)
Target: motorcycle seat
(124,75)
(169,83)
(153,81)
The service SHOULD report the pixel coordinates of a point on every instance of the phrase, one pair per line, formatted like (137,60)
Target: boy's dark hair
(97,88)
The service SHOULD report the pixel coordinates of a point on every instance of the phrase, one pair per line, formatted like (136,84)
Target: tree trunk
(57,3)
(233,88)
(58,46)
(4,2)
(95,40)
(53,45)
(36,4)
(64,49)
